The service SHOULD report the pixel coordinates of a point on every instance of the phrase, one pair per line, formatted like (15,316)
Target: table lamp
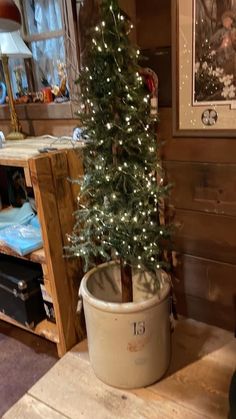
(10,18)
(12,46)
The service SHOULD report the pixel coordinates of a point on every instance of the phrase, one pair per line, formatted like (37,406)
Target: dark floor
(24,359)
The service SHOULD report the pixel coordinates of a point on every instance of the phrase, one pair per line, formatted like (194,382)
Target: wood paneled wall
(203,173)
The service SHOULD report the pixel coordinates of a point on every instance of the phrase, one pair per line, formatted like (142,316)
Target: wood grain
(206,279)
(89,397)
(203,186)
(207,311)
(206,235)
(31,408)
(208,150)
(153,23)
(18,153)
(66,207)
(45,328)
(195,387)
(46,202)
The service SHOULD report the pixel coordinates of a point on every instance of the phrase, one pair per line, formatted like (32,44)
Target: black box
(20,293)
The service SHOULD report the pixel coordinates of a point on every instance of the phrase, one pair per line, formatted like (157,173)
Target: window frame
(69,106)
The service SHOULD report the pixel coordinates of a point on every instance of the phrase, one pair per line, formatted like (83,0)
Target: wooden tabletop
(18,153)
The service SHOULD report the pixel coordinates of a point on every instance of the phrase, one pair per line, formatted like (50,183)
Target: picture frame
(204,68)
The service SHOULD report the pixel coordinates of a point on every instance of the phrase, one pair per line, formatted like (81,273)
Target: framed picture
(204,67)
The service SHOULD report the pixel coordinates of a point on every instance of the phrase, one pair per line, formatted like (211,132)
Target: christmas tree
(122,187)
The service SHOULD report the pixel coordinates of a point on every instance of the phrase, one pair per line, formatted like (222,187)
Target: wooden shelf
(45,328)
(56,199)
(38,256)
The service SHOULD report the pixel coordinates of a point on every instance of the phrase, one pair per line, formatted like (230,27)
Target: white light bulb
(109,126)
(99,48)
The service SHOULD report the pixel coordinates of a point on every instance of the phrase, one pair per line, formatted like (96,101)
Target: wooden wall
(203,172)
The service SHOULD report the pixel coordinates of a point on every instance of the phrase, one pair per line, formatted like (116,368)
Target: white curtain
(45,16)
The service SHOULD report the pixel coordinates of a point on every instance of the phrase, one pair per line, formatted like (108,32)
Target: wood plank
(30,408)
(206,279)
(5,111)
(35,111)
(218,150)
(206,235)
(45,328)
(76,170)
(45,195)
(202,385)
(50,111)
(89,397)
(17,153)
(210,312)
(196,386)
(38,256)
(66,207)
(155,15)
(203,186)
(62,126)
(27,177)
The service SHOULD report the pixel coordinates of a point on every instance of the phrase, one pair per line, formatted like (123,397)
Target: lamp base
(15,135)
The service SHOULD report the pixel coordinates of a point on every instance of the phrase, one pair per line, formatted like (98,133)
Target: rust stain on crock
(138,345)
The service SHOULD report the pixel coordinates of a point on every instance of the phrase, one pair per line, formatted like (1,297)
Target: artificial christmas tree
(118,216)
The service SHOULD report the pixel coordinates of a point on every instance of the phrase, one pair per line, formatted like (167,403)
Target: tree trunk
(126,282)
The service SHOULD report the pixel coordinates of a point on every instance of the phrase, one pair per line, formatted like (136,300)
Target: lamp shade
(10,18)
(12,45)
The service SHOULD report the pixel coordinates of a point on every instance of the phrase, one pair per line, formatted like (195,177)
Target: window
(50,31)
(45,36)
